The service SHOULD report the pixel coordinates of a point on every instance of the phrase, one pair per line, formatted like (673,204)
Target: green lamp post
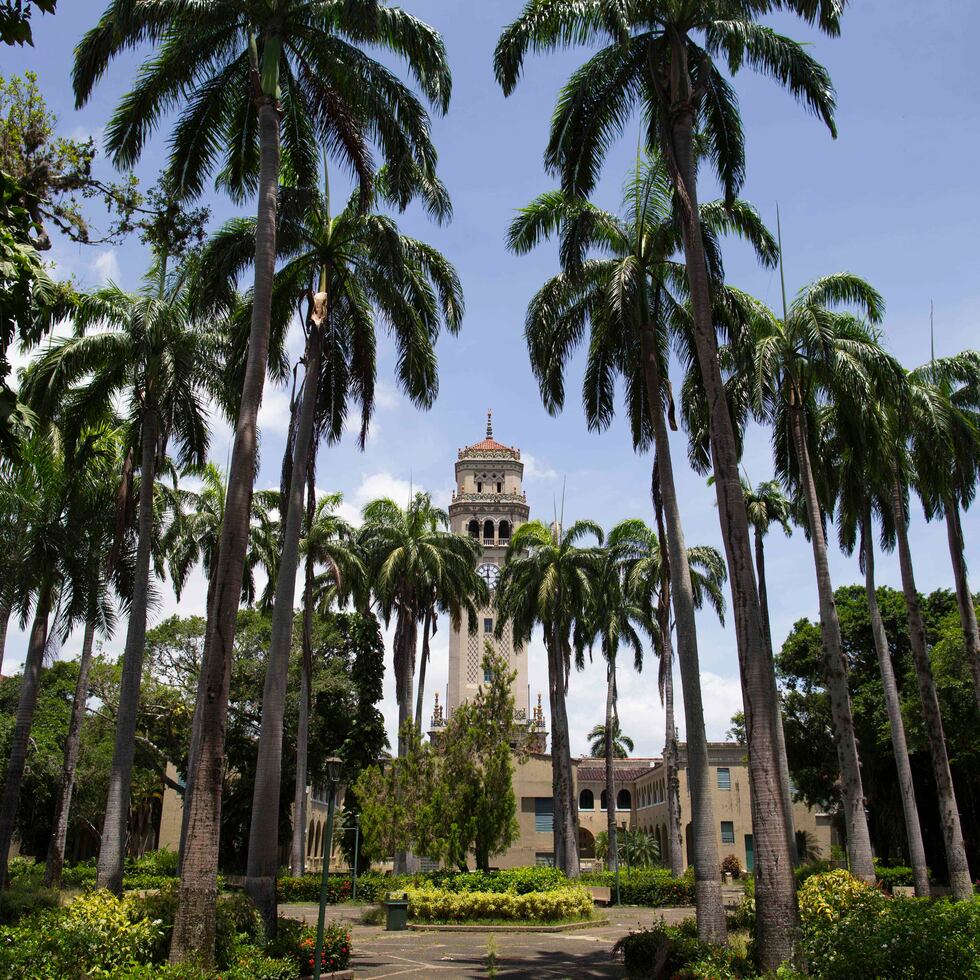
(334,766)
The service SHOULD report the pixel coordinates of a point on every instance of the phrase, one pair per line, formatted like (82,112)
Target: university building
(488,504)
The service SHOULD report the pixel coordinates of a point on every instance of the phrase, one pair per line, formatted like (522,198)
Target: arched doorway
(586,844)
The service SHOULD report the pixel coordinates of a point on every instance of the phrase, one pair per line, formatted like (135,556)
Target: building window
(544,815)
(487,676)
(479,487)
(724,778)
(504,531)
(473,529)
(488,531)
(727,832)
(500,487)
(488,625)
(586,800)
(623,800)
(544,859)
(603,801)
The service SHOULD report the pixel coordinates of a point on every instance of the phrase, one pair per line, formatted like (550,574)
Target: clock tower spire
(488,504)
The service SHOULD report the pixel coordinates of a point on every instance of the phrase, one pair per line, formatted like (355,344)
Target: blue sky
(893,199)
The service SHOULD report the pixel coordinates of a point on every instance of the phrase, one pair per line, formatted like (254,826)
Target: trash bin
(396,907)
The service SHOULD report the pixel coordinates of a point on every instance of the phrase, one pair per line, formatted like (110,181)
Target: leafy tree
(150,349)
(622,744)
(455,797)
(664,57)
(809,737)
(15,19)
(547,580)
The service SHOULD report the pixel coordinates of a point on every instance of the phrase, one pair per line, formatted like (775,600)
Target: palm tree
(622,744)
(814,355)
(619,278)
(650,586)
(89,599)
(613,618)
(152,352)
(332,542)
(652,60)
(946,480)
(270,83)
(766,505)
(919,435)
(361,268)
(407,551)
(547,580)
(857,465)
(47,494)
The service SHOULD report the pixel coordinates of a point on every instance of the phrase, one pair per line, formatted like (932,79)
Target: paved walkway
(583,953)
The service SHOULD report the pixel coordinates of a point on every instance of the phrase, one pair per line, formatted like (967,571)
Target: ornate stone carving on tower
(488,504)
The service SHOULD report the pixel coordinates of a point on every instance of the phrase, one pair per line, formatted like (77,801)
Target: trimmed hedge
(653,887)
(429,904)
(372,885)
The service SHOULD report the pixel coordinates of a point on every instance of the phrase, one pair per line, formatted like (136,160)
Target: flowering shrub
(295,942)
(306,888)
(430,904)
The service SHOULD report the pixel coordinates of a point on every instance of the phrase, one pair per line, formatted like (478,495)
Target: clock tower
(488,504)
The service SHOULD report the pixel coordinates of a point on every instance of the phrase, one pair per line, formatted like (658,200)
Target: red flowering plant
(299,941)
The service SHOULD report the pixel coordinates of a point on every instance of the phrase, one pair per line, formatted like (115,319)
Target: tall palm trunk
(707,868)
(22,725)
(785,787)
(565,816)
(112,853)
(59,832)
(835,666)
(775,886)
(263,838)
(298,855)
(5,609)
(426,627)
(964,598)
(193,934)
(405,637)
(613,849)
(949,817)
(671,770)
(906,788)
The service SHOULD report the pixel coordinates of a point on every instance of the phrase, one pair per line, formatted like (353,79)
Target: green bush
(24,896)
(851,930)
(430,904)
(306,888)
(236,922)
(653,887)
(96,934)
(295,942)
(674,952)
(161,864)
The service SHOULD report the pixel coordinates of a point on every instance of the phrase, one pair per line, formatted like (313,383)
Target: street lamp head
(334,768)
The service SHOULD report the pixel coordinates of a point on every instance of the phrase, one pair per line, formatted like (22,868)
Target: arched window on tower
(488,532)
(504,532)
(473,528)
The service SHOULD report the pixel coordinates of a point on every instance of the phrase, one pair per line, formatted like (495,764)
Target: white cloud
(535,469)
(105,266)
(274,413)
(386,396)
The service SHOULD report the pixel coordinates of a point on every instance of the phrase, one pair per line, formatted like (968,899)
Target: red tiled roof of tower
(490,443)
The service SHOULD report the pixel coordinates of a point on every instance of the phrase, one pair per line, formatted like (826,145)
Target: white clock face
(490,574)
